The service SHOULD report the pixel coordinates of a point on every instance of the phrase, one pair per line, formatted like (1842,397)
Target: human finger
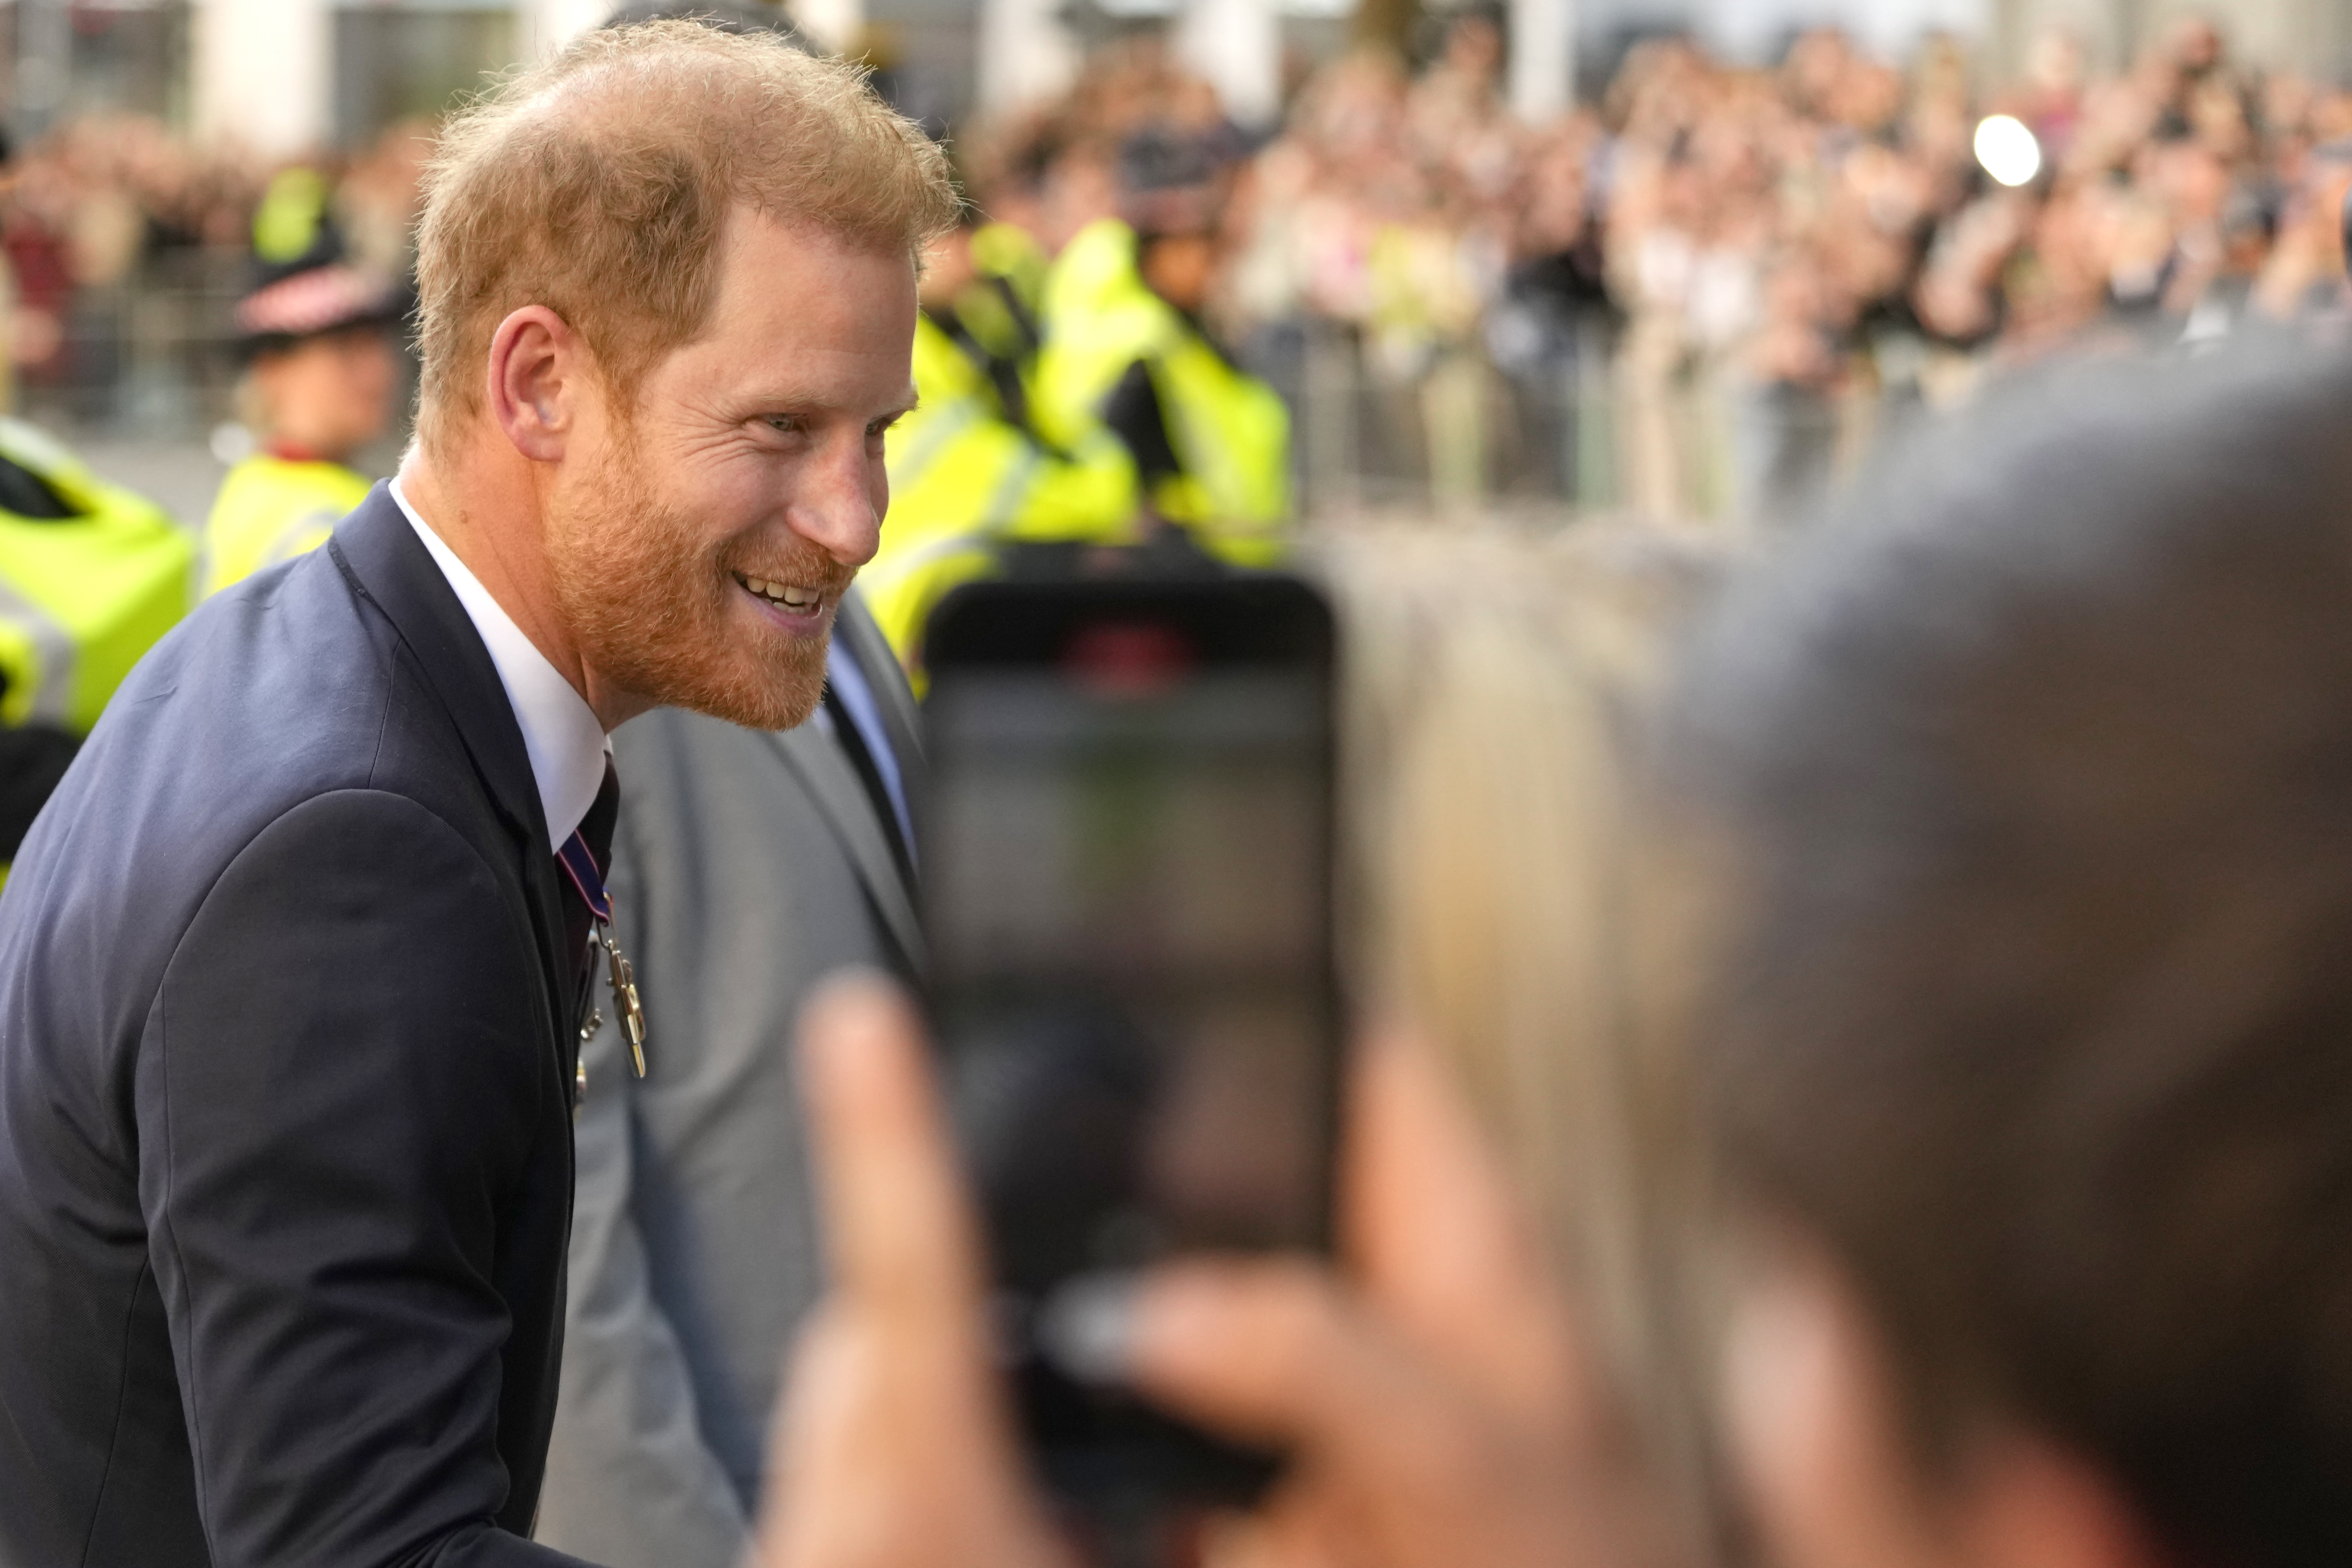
(899,1231)
(1404,1465)
(1269,1351)
(1440,1244)
(894,1447)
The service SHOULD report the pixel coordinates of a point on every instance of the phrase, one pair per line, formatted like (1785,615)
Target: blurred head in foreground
(1495,686)
(2032,1066)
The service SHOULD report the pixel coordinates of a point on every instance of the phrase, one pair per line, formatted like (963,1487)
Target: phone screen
(1127,875)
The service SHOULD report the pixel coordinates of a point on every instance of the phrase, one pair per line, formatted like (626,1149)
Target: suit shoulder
(380,849)
(290,685)
(360,826)
(286,690)
(285,677)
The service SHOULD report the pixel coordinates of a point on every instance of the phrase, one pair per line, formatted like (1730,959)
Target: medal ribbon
(579,863)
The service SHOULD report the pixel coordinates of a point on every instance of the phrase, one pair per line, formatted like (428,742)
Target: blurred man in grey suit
(750,865)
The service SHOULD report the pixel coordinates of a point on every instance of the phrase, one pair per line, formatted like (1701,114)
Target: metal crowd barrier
(149,357)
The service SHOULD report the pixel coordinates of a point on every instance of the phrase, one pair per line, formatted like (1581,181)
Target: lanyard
(580,864)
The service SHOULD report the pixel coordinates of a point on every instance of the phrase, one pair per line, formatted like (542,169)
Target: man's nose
(834,507)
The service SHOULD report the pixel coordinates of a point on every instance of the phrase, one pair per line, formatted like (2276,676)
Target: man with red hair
(295,967)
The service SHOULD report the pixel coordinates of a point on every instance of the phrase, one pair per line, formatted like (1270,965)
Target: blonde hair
(599,184)
(1502,906)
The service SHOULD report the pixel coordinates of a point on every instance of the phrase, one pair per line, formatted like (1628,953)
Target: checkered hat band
(311,302)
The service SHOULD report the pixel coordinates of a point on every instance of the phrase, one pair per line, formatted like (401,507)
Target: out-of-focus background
(1688,258)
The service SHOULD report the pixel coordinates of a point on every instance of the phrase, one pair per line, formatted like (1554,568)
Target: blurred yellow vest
(965,481)
(273,508)
(83,597)
(1228,430)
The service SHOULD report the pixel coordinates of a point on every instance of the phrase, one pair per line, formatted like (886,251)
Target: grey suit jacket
(747,866)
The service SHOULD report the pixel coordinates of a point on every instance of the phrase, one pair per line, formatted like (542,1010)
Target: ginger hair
(599,184)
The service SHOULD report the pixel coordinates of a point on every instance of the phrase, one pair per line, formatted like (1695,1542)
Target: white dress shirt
(560,733)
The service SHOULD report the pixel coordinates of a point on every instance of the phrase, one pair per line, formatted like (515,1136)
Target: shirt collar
(559,731)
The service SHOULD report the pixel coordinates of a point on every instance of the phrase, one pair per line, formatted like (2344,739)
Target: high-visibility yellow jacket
(82,597)
(1229,431)
(272,508)
(966,480)
(1013,268)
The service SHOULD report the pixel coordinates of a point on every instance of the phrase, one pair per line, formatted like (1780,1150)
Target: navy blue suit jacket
(286,1055)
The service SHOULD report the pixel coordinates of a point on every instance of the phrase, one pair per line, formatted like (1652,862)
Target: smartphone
(1127,853)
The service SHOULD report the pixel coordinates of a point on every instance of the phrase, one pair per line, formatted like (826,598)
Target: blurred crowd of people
(116,205)
(1698,296)
(1733,271)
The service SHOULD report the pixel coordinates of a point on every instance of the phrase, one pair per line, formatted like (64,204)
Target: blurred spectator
(1125,346)
(321,370)
(1771,263)
(1490,681)
(1700,297)
(2026,1059)
(375,205)
(972,481)
(130,247)
(1523,1254)
(90,576)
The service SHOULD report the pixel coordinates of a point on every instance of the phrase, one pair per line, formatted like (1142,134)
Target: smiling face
(699,551)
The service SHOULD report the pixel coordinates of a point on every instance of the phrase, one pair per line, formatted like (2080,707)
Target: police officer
(973,480)
(322,376)
(90,575)
(1125,349)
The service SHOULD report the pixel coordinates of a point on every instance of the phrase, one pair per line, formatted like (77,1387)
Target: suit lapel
(816,759)
(381,556)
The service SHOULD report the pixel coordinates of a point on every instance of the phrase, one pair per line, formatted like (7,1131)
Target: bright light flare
(2008,149)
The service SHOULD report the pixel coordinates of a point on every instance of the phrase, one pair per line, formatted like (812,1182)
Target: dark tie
(597,831)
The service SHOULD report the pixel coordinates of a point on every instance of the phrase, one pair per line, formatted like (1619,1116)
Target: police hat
(301,284)
(303,302)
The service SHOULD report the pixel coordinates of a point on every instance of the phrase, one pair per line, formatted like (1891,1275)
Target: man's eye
(785,424)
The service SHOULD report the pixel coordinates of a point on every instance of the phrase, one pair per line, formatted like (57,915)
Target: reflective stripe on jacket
(82,597)
(1230,433)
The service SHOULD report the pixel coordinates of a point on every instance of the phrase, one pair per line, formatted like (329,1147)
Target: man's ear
(537,371)
(1815,1419)
(1818,1429)
(2027,1503)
